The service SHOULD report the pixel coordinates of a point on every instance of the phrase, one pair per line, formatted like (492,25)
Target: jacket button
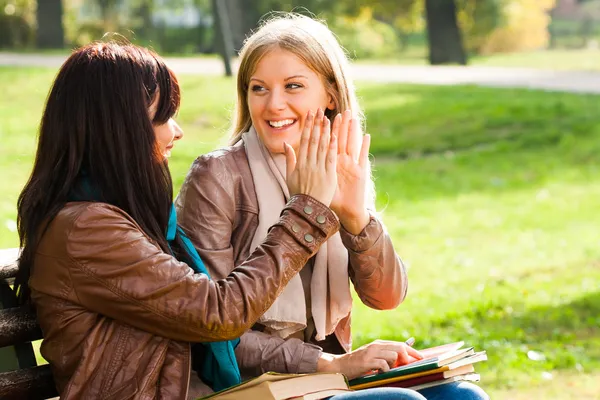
(308,210)
(321,219)
(296,228)
(308,237)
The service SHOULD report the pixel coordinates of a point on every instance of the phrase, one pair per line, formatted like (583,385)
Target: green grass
(490,195)
(559,59)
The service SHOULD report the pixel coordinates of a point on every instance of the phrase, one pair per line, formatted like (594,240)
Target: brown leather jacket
(218,208)
(118,314)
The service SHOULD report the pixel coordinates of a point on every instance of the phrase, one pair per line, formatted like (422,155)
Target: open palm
(352,172)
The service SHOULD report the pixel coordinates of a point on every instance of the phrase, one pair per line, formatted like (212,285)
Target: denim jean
(449,391)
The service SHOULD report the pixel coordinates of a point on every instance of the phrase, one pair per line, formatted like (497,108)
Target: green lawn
(491,197)
(559,59)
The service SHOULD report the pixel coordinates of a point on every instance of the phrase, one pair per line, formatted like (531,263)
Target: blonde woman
(291,70)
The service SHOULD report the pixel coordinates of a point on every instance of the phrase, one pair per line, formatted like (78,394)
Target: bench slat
(18,325)
(8,271)
(31,383)
(8,263)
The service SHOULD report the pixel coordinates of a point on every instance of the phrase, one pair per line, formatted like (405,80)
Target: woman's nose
(276,101)
(177,131)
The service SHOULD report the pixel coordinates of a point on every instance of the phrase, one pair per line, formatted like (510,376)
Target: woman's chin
(275,147)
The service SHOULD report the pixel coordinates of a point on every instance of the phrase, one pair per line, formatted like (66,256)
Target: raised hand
(349,201)
(314,171)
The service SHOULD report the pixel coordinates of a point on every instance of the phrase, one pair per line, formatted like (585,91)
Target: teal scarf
(219,368)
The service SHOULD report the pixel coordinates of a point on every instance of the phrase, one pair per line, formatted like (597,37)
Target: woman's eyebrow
(295,77)
(286,79)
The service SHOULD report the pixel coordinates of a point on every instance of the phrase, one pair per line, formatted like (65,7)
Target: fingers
(315,136)
(363,159)
(290,159)
(402,353)
(343,131)
(402,358)
(353,145)
(323,151)
(382,365)
(389,356)
(305,138)
(406,354)
(335,128)
(413,352)
(332,155)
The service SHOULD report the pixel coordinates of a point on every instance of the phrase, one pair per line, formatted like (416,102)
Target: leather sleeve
(377,272)
(206,209)
(119,272)
(260,352)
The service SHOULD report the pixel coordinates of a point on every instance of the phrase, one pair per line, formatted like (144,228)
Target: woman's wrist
(355,224)
(328,362)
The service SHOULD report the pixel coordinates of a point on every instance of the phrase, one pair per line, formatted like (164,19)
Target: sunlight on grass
(491,198)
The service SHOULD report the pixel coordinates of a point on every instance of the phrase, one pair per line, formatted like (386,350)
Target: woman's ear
(331,103)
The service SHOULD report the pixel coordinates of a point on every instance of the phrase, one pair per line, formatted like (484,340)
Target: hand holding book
(442,364)
(380,355)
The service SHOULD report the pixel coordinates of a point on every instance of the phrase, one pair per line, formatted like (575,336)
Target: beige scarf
(329,288)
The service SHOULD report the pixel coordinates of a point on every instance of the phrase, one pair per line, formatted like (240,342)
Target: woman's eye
(257,88)
(293,86)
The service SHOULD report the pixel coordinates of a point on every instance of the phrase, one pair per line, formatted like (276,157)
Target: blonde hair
(312,42)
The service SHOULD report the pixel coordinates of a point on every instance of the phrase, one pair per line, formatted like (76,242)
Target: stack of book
(440,365)
(274,386)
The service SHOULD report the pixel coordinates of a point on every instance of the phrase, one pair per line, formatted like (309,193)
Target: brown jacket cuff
(310,358)
(365,239)
(308,221)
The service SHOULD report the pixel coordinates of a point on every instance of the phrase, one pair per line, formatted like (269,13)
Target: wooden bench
(20,376)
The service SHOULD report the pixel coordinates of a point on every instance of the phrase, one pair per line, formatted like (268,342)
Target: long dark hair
(96,127)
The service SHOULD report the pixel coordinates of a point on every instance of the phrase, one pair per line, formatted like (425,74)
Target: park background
(490,194)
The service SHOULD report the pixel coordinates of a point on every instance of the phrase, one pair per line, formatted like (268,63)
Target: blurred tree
(522,25)
(17,21)
(243,17)
(364,36)
(143,12)
(477,20)
(109,14)
(50,33)
(445,41)
(405,16)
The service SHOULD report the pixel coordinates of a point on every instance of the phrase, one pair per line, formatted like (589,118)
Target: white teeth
(279,124)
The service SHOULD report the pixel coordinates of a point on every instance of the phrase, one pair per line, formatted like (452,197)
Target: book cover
(417,366)
(457,364)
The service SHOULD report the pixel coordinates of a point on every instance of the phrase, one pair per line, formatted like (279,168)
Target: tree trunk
(50,33)
(144,13)
(244,17)
(107,9)
(223,39)
(445,42)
